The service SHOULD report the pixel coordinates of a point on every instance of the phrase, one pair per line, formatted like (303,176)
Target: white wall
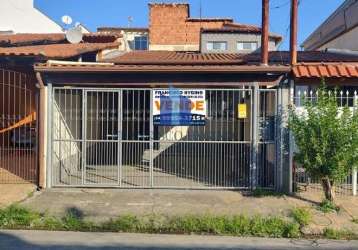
(348,41)
(20,16)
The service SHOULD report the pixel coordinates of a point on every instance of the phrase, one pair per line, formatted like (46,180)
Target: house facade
(115,134)
(104,117)
(339,31)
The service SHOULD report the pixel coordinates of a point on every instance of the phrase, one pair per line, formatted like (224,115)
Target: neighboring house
(19,94)
(131,38)
(172,28)
(21,16)
(235,38)
(339,31)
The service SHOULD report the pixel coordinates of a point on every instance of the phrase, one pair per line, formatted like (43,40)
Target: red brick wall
(169,25)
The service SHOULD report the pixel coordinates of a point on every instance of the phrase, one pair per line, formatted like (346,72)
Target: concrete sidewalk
(11,193)
(43,240)
(102,204)
(99,205)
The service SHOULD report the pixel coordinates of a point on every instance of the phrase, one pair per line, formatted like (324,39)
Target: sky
(99,13)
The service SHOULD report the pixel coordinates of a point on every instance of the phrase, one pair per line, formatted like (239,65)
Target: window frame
(141,42)
(216,42)
(247,42)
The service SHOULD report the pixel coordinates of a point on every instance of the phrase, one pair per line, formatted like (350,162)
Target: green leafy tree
(327,139)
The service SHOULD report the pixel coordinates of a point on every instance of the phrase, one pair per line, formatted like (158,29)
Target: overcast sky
(97,13)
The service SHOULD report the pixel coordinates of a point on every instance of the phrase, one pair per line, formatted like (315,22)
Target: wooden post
(265,32)
(293,34)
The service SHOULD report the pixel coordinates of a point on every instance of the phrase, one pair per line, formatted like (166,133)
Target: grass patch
(15,217)
(355,220)
(302,216)
(334,234)
(327,206)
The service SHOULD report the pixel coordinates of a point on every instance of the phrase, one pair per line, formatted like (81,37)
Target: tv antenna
(66,19)
(74,35)
(130,21)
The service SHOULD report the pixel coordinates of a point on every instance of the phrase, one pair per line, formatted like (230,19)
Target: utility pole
(293,33)
(265,32)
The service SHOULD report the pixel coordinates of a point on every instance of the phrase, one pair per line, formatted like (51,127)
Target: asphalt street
(43,240)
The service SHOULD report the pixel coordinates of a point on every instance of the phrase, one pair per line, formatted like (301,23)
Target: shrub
(327,206)
(302,216)
(326,139)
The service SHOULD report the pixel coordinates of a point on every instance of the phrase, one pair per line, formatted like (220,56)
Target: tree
(327,139)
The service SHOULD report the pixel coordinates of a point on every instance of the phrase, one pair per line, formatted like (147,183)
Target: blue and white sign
(179,107)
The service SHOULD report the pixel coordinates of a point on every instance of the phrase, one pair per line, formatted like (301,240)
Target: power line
(281,5)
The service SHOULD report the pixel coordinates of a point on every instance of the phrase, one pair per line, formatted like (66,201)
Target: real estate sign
(179,107)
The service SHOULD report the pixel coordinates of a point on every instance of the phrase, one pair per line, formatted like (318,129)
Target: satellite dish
(74,35)
(67,20)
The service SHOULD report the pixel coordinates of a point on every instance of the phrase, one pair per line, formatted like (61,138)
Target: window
(249,46)
(141,43)
(219,46)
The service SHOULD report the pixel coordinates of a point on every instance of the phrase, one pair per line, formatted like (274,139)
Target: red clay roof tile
(195,58)
(27,39)
(326,70)
(176,58)
(56,51)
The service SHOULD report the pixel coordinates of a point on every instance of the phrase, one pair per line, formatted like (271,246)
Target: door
(102,138)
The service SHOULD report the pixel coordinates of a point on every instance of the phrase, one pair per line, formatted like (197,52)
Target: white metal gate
(106,137)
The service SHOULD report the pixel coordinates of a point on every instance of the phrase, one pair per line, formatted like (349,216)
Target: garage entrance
(111,137)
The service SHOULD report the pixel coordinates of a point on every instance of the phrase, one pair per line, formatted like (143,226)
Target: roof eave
(157,69)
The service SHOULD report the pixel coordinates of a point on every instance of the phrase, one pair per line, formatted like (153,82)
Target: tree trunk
(327,185)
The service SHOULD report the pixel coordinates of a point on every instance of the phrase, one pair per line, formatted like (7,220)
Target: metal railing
(18,129)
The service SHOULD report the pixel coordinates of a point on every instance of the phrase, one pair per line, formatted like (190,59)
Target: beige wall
(347,41)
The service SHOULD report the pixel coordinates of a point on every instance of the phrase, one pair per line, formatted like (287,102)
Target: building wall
(339,24)
(346,41)
(231,40)
(20,16)
(171,29)
(126,39)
